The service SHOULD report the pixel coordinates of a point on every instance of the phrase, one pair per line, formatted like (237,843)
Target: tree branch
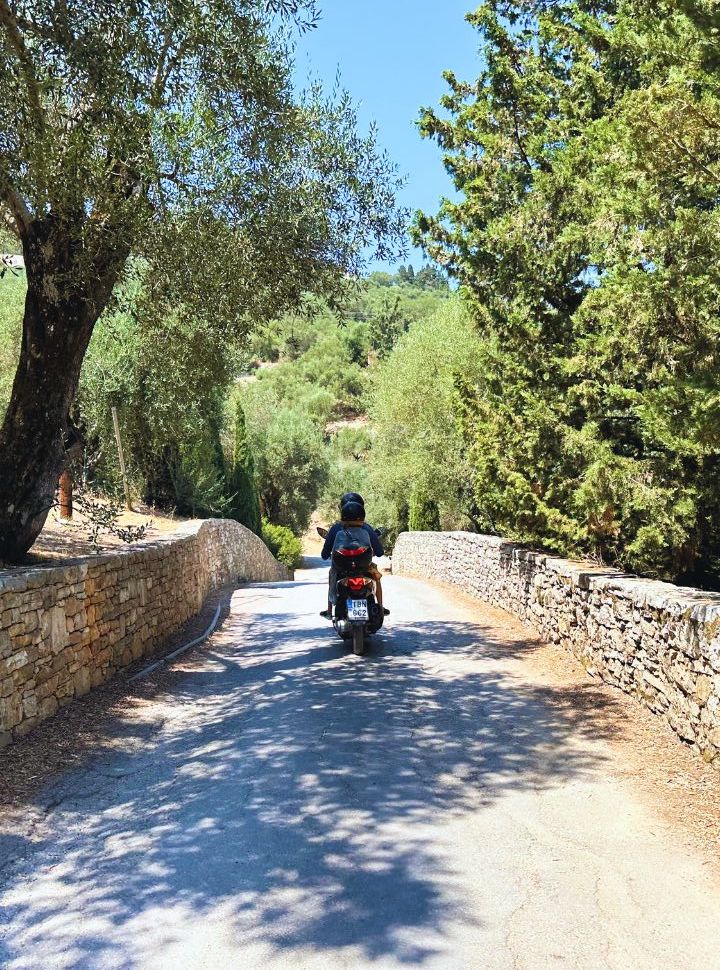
(518,138)
(9,24)
(21,215)
(159,79)
(692,156)
(693,109)
(166,65)
(175,178)
(8,219)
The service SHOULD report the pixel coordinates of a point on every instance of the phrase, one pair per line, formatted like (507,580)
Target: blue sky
(391,56)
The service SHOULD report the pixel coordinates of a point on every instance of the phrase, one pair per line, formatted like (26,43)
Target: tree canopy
(173,131)
(172,134)
(586,158)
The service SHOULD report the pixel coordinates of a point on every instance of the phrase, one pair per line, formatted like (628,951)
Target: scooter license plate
(358,610)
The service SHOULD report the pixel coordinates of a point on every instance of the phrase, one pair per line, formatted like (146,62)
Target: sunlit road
(284,804)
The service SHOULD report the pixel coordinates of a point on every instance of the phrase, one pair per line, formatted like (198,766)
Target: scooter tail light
(357,583)
(353,553)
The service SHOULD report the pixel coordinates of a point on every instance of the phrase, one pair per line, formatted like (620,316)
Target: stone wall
(68,628)
(658,642)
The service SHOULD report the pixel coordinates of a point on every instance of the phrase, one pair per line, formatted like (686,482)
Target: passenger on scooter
(352,515)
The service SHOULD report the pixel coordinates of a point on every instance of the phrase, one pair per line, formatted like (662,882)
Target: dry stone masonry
(68,628)
(658,642)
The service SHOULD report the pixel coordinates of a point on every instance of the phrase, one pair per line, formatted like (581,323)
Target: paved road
(287,805)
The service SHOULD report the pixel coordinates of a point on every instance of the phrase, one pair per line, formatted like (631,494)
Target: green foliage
(424,515)
(348,452)
(321,372)
(291,462)
(191,478)
(167,383)
(321,356)
(293,469)
(245,502)
(387,325)
(407,297)
(418,448)
(281,542)
(431,278)
(194,153)
(318,364)
(168,137)
(428,278)
(585,239)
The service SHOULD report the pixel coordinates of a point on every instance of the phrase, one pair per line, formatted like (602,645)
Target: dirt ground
(63,539)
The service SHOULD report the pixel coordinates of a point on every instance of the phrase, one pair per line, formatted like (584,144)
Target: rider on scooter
(352,515)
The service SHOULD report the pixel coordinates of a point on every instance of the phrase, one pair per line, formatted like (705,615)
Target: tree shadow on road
(298,792)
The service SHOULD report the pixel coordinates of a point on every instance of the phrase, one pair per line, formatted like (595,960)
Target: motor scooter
(356,613)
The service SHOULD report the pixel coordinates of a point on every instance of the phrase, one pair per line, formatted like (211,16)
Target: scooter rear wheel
(358,640)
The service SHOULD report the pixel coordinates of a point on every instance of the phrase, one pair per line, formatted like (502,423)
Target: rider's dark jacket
(332,535)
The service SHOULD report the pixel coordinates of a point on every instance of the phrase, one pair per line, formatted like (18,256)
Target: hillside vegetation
(267,429)
(12,296)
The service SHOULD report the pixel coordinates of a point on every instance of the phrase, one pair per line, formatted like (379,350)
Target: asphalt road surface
(284,804)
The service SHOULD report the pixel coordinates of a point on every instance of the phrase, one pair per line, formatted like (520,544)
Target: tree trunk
(60,314)
(65,495)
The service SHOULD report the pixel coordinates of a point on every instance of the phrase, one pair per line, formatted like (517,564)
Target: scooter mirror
(322,532)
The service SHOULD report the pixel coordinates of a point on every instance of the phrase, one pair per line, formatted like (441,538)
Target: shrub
(281,542)
(197,479)
(347,452)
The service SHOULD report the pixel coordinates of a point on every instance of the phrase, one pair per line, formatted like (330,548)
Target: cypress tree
(584,239)
(424,514)
(241,479)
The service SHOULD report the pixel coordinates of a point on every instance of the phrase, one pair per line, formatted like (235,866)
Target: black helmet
(352,511)
(351,497)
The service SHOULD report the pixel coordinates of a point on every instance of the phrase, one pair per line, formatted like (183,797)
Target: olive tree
(170,133)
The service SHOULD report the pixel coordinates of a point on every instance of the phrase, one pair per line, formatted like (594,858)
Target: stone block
(703,690)
(82,682)
(30,705)
(26,726)
(11,711)
(47,707)
(680,675)
(47,687)
(54,628)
